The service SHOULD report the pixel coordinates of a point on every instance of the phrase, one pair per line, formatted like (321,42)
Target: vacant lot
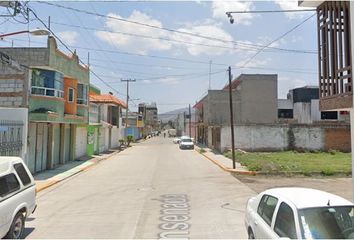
(324,163)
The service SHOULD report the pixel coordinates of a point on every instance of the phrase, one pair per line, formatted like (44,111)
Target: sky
(172,67)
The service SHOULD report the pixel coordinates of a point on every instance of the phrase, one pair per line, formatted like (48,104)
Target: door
(67,143)
(41,147)
(264,217)
(32,143)
(56,146)
(81,142)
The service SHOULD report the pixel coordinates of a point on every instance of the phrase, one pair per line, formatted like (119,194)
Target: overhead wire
(243,48)
(59,39)
(168,29)
(277,39)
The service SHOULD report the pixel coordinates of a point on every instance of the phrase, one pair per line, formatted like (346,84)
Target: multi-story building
(109,110)
(254,101)
(149,113)
(53,87)
(302,106)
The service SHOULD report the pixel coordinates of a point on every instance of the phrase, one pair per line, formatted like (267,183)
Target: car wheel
(250,234)
(17,226)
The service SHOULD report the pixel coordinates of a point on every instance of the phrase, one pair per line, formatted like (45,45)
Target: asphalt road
(151,190)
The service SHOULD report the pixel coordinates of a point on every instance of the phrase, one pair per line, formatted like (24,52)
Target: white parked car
(299,213)
(17,196)
(176,140)
(186,143)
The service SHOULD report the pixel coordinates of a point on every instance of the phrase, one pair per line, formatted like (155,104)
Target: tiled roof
(107,98)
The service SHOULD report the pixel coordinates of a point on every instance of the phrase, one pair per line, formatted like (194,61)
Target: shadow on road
(27,231)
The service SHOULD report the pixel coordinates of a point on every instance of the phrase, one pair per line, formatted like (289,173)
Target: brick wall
(338,139)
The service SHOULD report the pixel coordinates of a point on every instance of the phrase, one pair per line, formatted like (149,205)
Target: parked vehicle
(17,196)
(186,143)
(299,213)
(172,132)
(176,140)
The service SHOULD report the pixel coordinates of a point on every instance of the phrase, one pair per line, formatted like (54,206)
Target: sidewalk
(223,162)
(50,177)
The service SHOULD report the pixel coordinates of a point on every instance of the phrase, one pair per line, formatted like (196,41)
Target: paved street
(151,190)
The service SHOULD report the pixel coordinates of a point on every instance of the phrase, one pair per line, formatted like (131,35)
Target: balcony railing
(50,92)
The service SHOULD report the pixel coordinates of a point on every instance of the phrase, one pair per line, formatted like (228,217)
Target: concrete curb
(89,164)
(226,169)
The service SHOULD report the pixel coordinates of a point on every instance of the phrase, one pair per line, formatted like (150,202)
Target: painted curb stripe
(226,169)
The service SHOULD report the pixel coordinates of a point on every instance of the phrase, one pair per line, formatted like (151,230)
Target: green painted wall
(38,107)
(93,140)
(94,89)
(69,67)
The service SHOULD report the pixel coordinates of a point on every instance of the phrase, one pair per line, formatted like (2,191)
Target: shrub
(130,139)
(327,172)
(333,152)
(202,150)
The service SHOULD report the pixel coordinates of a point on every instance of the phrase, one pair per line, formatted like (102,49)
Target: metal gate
(11,138)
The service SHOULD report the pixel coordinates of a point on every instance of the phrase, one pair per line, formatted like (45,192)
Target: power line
(273,11)
(247,47)
(45,25)
(169,29)
(147,55)
(278,38)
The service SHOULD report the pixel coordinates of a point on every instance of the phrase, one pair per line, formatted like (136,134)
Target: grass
(306,163)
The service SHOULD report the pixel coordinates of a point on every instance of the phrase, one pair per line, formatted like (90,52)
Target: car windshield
(186,140)
(327,222)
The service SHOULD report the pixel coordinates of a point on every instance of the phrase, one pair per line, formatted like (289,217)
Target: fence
(11,133)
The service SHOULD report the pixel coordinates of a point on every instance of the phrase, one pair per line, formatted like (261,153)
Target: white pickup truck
(17,196)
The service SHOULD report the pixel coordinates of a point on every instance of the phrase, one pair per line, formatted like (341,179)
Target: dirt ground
(341,186)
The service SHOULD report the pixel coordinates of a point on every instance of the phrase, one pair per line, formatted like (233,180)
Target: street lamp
(34,32)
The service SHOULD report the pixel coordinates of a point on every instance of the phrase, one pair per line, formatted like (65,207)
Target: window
(8,184)
(266,208)
(82,94)
(285,223)
(71,95)
(22,173)
(47,83)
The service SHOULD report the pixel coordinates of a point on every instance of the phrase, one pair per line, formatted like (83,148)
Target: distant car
(17,196)
(299,213)
(176,140)
(186,143)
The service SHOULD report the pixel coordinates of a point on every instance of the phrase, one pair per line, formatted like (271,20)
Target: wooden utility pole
(190,121)
(126,111)
(232,122)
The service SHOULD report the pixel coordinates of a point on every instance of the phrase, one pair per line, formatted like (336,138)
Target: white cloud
(166,81)
(292,5)
(221,7)
(133,43)
(214,31)
(69,37)
(179,43)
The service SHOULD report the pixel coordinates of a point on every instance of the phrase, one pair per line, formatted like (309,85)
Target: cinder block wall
(280,137)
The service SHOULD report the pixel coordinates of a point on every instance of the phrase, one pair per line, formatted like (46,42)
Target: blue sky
(184,80)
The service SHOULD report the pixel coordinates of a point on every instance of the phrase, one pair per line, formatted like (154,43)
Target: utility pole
(232,122)
(126,111)
(210,62)
(190,121)
(184,122)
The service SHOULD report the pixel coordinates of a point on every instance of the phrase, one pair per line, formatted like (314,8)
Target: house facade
(109,110)
(55,92)
(254,101)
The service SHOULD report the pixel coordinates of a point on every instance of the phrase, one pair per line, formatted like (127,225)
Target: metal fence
(11,138)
